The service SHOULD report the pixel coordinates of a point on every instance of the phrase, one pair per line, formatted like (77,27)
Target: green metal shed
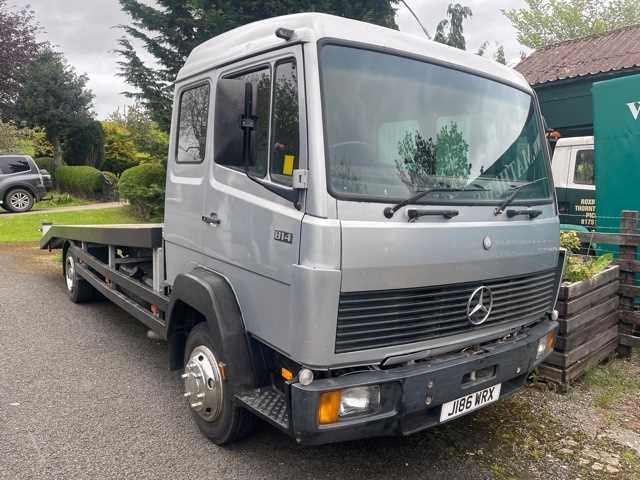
(563,75)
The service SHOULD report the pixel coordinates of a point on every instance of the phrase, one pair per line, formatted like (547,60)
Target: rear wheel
(79,290)
(209,393)
(19,200)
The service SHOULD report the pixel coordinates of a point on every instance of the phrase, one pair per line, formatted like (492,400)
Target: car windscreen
(396,125)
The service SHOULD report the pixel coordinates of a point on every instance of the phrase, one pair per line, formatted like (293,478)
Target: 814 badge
(281,236)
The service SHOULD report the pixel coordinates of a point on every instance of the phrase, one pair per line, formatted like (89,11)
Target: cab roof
(574,141)
(257,37)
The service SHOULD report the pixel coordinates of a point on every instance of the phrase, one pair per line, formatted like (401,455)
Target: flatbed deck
(135,235)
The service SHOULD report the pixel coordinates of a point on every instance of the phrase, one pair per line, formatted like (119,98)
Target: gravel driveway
(85,394)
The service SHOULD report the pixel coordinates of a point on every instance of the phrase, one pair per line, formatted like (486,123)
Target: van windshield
(395,126)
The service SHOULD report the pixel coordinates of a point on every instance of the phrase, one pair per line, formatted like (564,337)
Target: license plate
(469,403)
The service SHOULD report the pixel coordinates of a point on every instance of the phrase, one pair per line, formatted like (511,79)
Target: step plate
(268,403)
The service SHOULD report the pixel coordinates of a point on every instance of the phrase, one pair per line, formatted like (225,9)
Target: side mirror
(44,171)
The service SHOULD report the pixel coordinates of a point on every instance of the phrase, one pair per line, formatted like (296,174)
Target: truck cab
(574,177)
(361,234)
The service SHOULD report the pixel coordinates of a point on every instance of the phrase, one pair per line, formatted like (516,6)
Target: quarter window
(285,138)
(193,118)
(584,174)
(10,165)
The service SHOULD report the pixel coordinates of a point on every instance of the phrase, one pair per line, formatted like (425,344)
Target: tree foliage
(499,56)
(18,48)
(53,97)
(545,22)
(450,31)
(149,139)
(84,144)
(25,141)
(170,29)
(120,152)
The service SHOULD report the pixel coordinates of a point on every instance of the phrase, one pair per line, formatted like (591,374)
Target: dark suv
(22,183)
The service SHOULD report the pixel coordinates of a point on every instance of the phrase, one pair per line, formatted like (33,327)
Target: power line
(417,19)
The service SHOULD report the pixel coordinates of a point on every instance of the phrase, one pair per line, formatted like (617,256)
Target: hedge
(47,164)
(83,181)
(143,187)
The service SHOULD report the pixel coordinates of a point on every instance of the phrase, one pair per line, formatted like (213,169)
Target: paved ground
(93,206)
(85,394)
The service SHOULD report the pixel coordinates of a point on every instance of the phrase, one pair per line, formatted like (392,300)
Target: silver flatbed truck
(361,235)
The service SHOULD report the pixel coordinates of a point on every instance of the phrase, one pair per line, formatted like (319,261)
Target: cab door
(253,233)
(189,155)
(581,189)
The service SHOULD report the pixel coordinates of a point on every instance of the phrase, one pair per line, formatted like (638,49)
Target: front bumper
(404,390)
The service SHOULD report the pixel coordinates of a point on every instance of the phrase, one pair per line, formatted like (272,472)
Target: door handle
(212,219)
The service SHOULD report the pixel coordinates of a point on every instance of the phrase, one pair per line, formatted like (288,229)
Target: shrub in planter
(83,181)
(588,316)
(143,187)
(581,267)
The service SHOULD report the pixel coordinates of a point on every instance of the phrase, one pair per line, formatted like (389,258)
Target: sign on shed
(616,110)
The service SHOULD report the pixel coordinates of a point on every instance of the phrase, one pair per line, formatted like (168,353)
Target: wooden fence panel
(628,242)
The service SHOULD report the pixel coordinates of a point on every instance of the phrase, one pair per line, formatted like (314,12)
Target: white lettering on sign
(635,109)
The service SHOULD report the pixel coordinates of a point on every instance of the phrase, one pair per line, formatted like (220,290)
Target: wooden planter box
(588,327)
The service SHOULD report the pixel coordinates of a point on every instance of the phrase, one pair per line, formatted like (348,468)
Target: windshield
(395,126)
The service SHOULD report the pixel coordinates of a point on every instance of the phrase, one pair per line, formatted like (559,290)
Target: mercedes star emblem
(479,305)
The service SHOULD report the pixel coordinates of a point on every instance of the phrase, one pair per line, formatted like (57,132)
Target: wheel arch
(205,296)
(19,185)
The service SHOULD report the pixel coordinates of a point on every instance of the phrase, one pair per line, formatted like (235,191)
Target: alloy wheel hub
(203,383)
(19,200)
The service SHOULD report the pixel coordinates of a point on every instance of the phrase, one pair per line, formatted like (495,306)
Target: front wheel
(209,394)
(19,200)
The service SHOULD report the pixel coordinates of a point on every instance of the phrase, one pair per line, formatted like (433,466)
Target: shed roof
(612,51)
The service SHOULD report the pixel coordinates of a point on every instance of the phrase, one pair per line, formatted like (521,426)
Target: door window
(584,172)
(285,138)
(193,118)
(10,165)
(226,152)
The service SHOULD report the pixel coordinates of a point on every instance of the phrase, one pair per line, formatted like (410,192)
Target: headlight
(545,345)
(347,403)
(358,400)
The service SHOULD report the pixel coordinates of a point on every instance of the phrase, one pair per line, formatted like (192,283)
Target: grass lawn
(57,200)
(23,228)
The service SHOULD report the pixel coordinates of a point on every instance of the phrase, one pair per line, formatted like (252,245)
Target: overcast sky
(84,31)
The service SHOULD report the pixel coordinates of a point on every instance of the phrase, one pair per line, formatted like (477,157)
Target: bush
(143,187)
(579,268)
(83,181)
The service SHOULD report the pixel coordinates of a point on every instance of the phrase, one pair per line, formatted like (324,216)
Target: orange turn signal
(328,408)
(551,340)
(286,374)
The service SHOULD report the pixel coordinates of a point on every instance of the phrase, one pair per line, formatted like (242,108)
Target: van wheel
(79,290)
(19,200)
(210,395)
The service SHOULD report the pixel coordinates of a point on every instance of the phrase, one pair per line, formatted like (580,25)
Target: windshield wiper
(514,191)
(390,211)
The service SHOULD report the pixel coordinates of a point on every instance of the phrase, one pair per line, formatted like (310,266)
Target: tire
(225,422)
(19,200)
(79,290)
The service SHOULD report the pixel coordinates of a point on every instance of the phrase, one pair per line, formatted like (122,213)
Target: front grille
(385,318)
